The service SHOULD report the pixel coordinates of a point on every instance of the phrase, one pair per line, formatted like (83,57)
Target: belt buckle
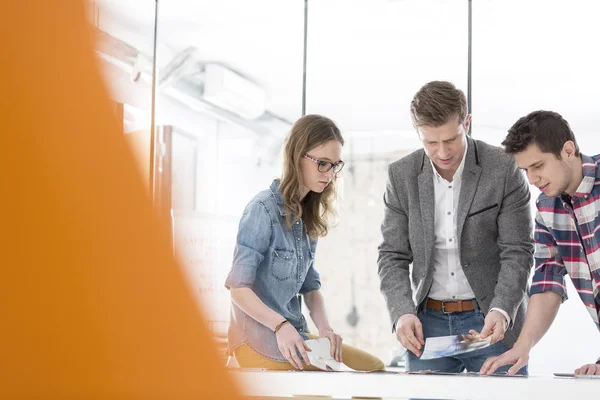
(444,307)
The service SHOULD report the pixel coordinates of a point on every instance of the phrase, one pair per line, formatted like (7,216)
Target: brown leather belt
(450,306)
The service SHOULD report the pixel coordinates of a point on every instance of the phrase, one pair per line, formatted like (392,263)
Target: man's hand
(495,325)
(335,349)
(409,332)
(588,369)
(518,356)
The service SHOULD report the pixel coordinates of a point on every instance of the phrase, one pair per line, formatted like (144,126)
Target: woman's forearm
(249,302)
(316,305)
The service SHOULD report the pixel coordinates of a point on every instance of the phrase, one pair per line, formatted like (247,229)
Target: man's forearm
(541,312)
(394,284)
(511,285)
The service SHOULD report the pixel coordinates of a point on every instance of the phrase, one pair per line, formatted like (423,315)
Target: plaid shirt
(567,240)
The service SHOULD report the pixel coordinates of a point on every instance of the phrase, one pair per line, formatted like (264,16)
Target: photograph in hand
(447,346)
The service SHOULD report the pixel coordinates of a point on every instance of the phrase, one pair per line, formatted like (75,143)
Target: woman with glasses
(274,258)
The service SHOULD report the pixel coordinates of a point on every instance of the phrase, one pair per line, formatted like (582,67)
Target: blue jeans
(436,323)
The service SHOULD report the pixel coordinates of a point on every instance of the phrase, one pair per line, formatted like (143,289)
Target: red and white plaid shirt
(567,240)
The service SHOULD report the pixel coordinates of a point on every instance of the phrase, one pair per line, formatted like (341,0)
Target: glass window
(366,60)
(230,88)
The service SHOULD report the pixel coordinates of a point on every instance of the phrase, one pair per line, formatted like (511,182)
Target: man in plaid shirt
(567,228)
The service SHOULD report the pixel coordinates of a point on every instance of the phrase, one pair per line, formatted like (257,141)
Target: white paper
(321,358)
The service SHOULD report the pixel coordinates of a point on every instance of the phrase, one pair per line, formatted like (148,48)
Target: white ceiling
(366,58)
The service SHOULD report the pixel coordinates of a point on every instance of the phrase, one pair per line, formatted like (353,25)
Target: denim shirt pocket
(282,264)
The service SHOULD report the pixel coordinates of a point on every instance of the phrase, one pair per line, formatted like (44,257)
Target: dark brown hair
(547,129)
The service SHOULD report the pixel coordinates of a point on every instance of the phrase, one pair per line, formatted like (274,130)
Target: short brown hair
(436,102)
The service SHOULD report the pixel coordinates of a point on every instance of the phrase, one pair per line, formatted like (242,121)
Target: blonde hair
(315,209)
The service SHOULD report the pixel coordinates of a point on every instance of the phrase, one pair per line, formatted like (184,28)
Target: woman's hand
(336,343)
(290,343)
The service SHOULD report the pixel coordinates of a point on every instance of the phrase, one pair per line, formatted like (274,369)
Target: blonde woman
(274,259)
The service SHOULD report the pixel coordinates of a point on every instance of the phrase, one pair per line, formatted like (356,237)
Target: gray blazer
(494,231)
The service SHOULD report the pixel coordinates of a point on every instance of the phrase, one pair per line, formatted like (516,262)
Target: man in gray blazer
(457,244)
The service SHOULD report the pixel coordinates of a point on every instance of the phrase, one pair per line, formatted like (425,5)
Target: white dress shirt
(449,280)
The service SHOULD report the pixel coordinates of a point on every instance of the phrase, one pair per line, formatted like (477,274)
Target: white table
(346,385)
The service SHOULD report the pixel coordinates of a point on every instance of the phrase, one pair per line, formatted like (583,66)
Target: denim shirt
(277,263)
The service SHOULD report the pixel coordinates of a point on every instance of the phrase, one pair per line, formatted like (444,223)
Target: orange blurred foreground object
(92,305)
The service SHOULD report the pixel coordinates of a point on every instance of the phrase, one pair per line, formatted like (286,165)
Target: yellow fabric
(354,358)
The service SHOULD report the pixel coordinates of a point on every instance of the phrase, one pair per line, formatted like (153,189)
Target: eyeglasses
(325,166)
